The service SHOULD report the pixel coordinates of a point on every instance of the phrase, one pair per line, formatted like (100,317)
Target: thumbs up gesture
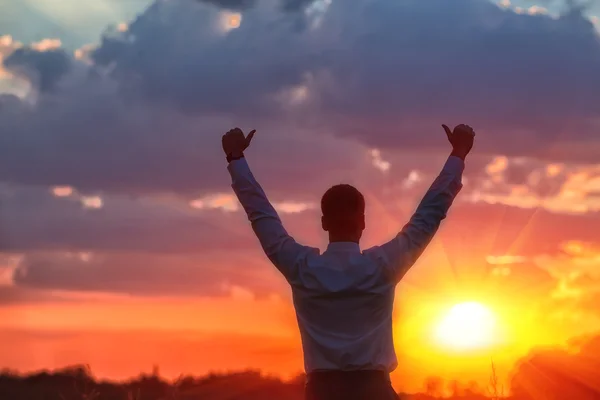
(461,139)
(235,142)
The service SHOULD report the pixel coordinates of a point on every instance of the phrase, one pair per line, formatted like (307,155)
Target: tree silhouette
(549,374)
(434,386)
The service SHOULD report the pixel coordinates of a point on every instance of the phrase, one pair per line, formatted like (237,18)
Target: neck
(343,238)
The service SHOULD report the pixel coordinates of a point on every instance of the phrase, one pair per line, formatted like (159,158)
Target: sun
(467,326)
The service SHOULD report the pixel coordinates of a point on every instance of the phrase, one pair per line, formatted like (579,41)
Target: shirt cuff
(238,167)
(454,165)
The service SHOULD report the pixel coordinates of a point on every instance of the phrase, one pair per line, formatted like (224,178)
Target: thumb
(447,130)
(249,137)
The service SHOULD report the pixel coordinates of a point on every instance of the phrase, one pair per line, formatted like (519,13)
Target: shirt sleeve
(403,251)
(279,246)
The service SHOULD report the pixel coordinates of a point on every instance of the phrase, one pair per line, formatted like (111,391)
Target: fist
(461,139)
(235,142)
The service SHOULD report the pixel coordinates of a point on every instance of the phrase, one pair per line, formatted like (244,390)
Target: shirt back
(344,307)
(344,297)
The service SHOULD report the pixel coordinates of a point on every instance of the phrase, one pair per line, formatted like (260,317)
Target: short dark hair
(342,201)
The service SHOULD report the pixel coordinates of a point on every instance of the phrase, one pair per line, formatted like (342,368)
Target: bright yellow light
(467,326)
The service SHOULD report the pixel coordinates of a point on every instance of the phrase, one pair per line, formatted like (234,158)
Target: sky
(122,245)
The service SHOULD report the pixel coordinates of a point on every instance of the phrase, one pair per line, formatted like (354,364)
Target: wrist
(460,154)
(234,155)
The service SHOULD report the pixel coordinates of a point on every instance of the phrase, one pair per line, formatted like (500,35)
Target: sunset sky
(122,245)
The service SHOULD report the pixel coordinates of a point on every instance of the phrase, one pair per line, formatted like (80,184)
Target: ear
(363,224)
(324,224)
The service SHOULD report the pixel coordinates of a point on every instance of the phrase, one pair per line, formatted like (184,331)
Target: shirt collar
(344,246)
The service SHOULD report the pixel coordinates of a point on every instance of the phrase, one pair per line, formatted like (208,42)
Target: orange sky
(535,301)
(123,247)
(535,270)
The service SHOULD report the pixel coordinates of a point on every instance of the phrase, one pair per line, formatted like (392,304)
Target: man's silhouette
(344,297)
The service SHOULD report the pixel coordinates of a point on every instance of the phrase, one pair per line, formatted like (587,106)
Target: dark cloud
(208,71)
(9,103)
(231,4)
(295,5)
(44,67)
(147,116)
(376,65)
(508,70)
(146,274)
(32,219)
(236,5)
(95,140)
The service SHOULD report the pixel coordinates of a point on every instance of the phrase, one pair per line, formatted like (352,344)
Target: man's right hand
(235,142)
(461,139)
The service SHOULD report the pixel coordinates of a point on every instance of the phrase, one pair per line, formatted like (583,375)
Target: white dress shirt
(344,297)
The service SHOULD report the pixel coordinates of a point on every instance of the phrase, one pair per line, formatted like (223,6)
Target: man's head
(343,208)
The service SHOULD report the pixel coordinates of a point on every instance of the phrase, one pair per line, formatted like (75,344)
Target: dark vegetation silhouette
(549,374)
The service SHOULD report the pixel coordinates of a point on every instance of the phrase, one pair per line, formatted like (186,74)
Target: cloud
(231,4)
(295,5)
(35,219)
(564,280)
(91,138)
(575,267)
(237,5)
(145,116)
(10,84)
(397,78)
(145,274)
(10,293)
(530,183)
(118,152)
(63,218)
(7,46)
(18,295)
(44,63)
(166,246)
(46,44)
(8,264)
(559,373)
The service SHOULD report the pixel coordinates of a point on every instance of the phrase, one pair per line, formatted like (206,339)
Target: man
(344,297)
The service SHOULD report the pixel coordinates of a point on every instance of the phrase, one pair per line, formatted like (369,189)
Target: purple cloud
(45,68)
(146,274)
(147,115)
(142,122)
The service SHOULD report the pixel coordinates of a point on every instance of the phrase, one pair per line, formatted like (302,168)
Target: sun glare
(467,326)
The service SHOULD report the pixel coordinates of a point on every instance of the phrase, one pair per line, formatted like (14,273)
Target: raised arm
(279,246)
(404,250)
